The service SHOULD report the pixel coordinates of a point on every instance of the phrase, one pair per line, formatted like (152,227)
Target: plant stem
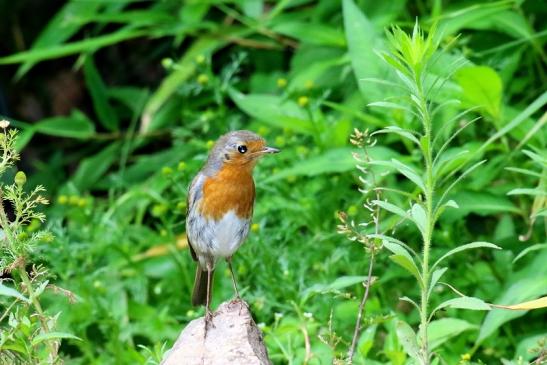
(361,311)
(430,217)
(36,303)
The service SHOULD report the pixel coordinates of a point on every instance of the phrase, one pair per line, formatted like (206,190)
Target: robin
(220,207)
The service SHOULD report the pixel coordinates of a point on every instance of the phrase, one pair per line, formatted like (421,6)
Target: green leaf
(338,284)
(10,292)
(405,133)
(363,39)
(312,33)
(525,289)
(481,203)
(526,191)
(463,303)
(87,45)
(61,27)
(435,277)
(442,330)
(274,111)
(403,169)
(94,167)
(527,250)
(366,341)
(420,218)
(467,246)
(406,262)
(332,161)
(53,336)
(408,340)
(481,87)
(97,89)
(77,125)
(391,208)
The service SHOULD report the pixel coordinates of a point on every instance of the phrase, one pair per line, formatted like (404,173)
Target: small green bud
(62,199)
(159,210)
(20,178)
(352,210)
(166,171)
(167,63)
(181,166)
(203,79)
(74,200)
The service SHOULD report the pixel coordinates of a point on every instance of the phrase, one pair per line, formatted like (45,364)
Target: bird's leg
(208,313)
(229,261)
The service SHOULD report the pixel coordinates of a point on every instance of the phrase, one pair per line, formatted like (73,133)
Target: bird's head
(240,148)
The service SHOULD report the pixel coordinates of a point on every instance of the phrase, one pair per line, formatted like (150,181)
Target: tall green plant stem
(430,216)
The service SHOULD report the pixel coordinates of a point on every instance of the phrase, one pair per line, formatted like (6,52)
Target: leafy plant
(29,333)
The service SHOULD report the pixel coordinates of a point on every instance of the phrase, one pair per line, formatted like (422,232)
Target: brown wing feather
(189,200)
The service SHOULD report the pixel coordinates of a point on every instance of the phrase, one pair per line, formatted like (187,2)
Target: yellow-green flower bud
(62,199)
(200,59)
(181,166)
(281,83)
(167,63)
(166,170)
(20,178)
(303,101)
(203,79)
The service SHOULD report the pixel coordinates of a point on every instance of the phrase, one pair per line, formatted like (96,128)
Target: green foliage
(456,142)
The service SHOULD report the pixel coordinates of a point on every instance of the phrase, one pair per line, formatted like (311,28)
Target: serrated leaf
(467,246)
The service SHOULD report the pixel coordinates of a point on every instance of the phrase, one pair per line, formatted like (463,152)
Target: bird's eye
(242,148)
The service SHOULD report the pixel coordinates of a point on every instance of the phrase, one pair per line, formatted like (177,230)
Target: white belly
(217,238)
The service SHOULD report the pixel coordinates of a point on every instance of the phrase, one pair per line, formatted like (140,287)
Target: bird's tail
(199,294)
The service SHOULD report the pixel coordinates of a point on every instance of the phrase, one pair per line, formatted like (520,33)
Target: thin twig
(362,305)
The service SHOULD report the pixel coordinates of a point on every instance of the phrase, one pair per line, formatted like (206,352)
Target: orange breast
(232,188)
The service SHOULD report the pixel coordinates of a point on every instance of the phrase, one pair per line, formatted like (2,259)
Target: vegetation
(404,221)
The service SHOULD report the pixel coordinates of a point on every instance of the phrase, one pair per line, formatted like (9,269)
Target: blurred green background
(118,102)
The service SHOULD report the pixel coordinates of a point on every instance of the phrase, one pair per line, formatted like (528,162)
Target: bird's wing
(193,196)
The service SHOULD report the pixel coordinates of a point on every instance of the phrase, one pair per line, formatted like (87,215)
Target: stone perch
(234,339)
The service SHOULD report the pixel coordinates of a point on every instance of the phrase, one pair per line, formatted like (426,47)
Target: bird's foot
(208,321)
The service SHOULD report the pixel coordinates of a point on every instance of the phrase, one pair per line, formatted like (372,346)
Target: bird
(220,206)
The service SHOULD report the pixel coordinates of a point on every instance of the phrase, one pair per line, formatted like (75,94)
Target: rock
(233,338)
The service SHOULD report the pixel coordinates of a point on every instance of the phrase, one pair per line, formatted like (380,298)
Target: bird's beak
(270,150)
